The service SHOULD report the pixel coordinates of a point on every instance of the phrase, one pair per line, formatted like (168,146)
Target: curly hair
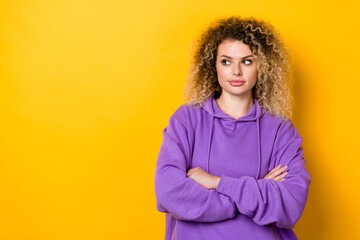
(274,72)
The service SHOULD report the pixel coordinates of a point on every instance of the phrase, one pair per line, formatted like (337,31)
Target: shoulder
(185,118)
(181,112)
(280,133)
(270,118)
(275,120)
(284,133)
(282,127)
(186,113)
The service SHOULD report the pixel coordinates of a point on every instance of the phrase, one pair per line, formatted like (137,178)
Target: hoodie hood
(254,114)
(211,107)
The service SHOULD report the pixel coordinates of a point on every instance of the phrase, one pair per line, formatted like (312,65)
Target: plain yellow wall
(87,86)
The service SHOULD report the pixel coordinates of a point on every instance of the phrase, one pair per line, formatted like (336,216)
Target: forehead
(234,48)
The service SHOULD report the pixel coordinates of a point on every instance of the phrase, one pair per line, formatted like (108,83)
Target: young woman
(231,164)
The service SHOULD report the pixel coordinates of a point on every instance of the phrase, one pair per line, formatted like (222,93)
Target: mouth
(236,83)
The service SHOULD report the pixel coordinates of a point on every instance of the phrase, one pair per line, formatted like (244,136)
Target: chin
(240,93)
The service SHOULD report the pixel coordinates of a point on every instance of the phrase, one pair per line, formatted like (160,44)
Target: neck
(235,106)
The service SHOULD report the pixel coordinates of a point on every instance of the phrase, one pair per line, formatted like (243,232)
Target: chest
(227,148)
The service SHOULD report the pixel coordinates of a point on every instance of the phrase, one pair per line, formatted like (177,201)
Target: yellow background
(87,86)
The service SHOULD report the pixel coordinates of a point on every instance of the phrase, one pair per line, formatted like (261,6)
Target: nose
(237,70)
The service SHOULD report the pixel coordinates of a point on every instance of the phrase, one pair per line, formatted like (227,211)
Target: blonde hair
(274,72)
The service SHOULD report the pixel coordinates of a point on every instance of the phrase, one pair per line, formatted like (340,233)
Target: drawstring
(259,148)
(208,153)
(258,137)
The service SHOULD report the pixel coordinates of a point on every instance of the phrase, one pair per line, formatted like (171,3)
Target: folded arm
(179,195)
(268,201)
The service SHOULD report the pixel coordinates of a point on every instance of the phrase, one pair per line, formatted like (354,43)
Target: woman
(231,164)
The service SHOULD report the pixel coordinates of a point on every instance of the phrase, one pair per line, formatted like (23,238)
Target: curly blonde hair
(274,72)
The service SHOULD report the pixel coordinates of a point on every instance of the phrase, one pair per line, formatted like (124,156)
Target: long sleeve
(179,195)
(270,201)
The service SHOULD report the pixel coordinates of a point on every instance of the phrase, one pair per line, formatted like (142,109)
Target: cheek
(221,73)
(218,72)
(253,74)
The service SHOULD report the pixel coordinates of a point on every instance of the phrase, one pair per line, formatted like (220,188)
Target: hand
(203,178)
(276,174)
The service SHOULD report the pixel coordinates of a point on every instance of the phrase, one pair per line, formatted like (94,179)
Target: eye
(247,62)
(225,62)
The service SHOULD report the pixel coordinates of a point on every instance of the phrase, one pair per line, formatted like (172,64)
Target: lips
(236,83)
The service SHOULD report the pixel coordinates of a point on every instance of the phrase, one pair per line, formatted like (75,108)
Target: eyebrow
(241,58)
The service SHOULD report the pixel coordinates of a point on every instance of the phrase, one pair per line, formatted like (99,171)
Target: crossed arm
(195,195)
(210,181)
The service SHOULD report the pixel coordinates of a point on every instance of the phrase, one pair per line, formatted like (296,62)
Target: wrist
(216,181)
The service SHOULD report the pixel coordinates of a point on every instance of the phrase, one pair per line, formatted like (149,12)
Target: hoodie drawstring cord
(259,148)
(258,136)
(208,153)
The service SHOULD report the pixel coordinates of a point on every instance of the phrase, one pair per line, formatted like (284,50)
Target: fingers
(276,173)
(190,171)
(194,171)
(280,177)
(276,168)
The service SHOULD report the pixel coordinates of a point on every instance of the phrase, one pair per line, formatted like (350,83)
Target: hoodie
(241,151)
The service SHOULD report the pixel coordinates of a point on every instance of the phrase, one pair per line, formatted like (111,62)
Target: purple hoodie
(241,151)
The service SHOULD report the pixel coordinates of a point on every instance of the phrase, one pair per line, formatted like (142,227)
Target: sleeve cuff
(230,186)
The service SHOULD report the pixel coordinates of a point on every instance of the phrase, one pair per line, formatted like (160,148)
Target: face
(236,68)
